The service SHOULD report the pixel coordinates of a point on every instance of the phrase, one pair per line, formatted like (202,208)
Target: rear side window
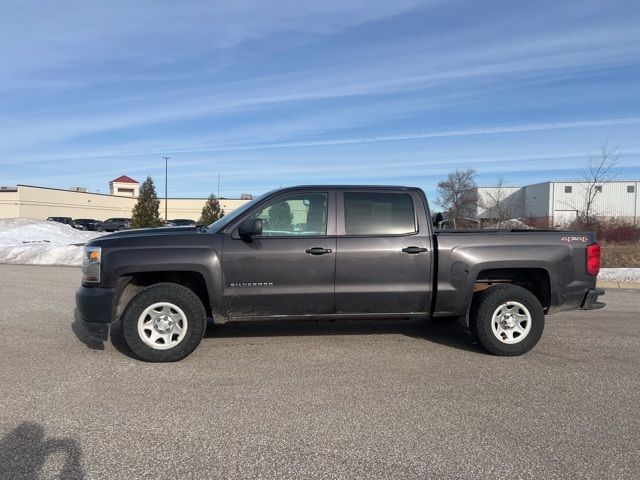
(370,213)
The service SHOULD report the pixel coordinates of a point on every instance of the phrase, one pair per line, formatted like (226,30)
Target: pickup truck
(332,252)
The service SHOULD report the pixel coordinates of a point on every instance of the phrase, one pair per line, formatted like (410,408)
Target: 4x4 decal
(575,239)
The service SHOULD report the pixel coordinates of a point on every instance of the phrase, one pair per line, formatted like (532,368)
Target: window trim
(342,220)
(331,215)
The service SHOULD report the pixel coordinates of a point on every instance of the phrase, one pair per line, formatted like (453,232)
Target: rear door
(290,268)
(383,264)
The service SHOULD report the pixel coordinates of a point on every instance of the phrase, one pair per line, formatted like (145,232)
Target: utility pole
(166,162)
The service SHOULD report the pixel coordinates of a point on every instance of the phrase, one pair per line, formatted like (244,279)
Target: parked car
(180,222)
(86,224)
(332,252)
(115,225)
(65,220)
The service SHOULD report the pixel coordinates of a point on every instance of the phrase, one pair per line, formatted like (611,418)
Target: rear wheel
(506,320)
(164,323)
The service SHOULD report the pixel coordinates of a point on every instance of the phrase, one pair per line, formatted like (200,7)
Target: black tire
(177,295)
(482,310)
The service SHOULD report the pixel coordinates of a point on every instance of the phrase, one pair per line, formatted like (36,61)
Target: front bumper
(94,310)
(590,301)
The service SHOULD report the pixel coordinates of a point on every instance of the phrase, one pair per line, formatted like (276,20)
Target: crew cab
(332,252)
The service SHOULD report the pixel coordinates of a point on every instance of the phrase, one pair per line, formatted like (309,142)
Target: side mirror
(250,228)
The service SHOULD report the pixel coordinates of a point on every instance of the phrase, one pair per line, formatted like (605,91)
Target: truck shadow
(82,335)
(25,450)
(115,336)
(446,331)
(449,332)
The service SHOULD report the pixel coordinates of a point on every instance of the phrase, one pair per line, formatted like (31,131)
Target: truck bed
(554,259)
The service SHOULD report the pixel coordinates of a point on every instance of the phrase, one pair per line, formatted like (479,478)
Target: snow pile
(626,275)
(40,242)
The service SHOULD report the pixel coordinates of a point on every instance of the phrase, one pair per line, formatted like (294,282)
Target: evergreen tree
(211,211)
(146,212)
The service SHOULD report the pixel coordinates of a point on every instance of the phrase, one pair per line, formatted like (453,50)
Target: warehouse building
(42,202)
(558,203)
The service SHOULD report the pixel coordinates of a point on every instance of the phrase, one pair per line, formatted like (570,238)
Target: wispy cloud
(394,71)
(426,135)
(70,34)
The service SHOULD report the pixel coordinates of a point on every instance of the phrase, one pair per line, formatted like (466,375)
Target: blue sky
(334,91)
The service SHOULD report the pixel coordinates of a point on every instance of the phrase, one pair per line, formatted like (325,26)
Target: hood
(141,233)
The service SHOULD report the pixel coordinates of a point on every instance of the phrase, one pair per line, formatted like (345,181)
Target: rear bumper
(94,309)
(590,301)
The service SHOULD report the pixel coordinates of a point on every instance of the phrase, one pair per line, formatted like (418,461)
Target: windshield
(238,212)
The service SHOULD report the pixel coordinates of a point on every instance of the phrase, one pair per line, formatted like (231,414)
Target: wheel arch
(130,284)
(535,279)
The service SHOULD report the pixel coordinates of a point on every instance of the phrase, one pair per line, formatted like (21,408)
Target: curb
(633,286)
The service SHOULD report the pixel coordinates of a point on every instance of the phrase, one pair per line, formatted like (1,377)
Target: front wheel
(164,323)
(506,320)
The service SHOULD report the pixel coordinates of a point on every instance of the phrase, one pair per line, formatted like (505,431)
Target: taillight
(593,259)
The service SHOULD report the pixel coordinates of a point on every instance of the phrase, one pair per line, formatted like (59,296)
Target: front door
(290,268)
(384,253)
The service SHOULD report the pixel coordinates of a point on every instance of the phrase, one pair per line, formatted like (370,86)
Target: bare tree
(500,202)
(600,169)
(457,195)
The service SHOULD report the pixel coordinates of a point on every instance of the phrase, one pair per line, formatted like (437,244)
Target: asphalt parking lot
(315,400)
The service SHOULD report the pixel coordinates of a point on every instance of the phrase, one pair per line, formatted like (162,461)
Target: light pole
(166,162)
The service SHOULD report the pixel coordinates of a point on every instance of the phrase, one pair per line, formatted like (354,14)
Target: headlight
(91,264)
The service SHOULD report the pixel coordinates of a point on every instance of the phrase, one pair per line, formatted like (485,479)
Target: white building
(494,203)
(42,202)
(124,186)
(559,203)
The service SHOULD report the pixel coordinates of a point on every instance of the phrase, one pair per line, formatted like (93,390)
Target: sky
(280,93)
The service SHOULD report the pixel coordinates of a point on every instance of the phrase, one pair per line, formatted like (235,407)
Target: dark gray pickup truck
(332,252)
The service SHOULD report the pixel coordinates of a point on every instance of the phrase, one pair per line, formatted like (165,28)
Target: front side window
(370,213)
(303,214)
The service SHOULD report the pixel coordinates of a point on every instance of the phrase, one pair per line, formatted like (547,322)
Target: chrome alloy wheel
(162,325)
(511,322)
